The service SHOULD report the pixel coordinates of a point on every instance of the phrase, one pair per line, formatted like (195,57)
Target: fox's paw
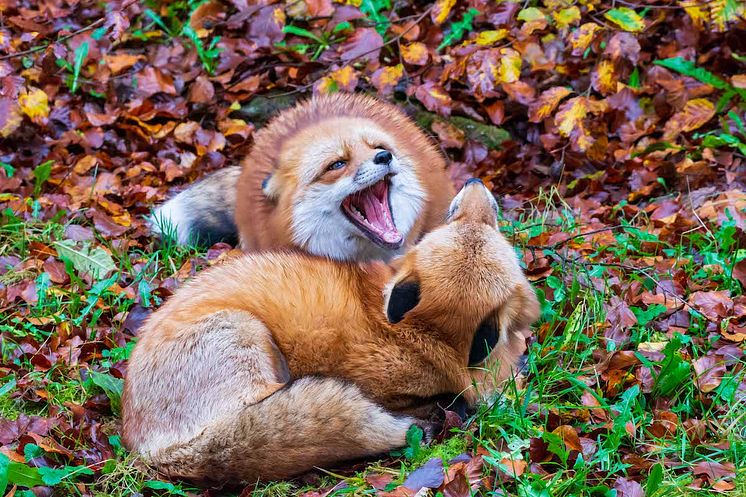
(430,429)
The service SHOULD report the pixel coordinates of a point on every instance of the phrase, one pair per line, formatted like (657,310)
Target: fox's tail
(313,422)
(203,213)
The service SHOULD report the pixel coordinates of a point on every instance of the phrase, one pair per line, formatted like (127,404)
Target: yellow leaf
(441,10)
(571,115)
(386,78)
(603,77)
(279,16)
(531,14)
(343,79)
(35,104)
(345,76)
(415,53)
(697,12)
(565,17)
(582,37)
(510,65)
(543,106)
(392,75)
(490,37)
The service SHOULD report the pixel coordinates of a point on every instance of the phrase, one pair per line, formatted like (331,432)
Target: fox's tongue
(378,216)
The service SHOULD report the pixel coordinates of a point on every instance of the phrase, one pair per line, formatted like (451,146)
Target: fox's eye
(336,165)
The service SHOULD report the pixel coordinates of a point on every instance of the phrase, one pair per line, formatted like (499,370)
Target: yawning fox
(271,364)
(344,176)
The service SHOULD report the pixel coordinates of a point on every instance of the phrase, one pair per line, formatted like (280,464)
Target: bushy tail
(313,422)
(203,213)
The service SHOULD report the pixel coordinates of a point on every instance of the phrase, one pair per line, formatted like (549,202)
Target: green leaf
(111,386)
(626,18)
(674,370)
(373,8)
(32,451)
(688,68)
(25,476)
(649,314)
(80,55)
(458,29)
(414,439)
(9,170)
(54,476)
(295,30)
(96,262)
(7,388)
(162,485)
(4,466)
(634,78)
(723,140)
(342,26)
(655,477)
(41,175)
(739,122)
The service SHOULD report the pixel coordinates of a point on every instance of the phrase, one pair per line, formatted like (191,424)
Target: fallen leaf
(415,53)
(35,104)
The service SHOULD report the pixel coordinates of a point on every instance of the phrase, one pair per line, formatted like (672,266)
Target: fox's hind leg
(312,422)
(225,360)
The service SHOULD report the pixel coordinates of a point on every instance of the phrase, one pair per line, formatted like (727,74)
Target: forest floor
(612,134)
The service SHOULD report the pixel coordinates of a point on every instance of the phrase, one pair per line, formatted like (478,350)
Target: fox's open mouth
(370,211)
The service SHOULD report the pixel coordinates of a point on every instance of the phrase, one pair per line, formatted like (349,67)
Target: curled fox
(343,176)
(274,363)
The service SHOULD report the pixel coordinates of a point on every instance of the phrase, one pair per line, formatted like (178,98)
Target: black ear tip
(473,180)
(404,297)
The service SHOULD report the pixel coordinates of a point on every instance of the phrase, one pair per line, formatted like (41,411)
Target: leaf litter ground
(612,133)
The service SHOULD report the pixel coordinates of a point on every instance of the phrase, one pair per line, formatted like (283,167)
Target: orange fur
(241,341)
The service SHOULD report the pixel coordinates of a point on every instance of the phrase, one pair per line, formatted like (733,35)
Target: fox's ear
(485,339)
(404,296)
(271,187)
(519,313)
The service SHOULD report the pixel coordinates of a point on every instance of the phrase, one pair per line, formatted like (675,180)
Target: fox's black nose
(383,157)
(473,180)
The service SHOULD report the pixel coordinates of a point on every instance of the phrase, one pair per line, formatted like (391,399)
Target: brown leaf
(56,271)
(628,488)
(365,43)
(152,80)
(121,61)
(379,481)
(434,98)
(709,371)
(715,470)
(449,135)
(694,115)
(739,272)
(569,436)
(715,305)
(202,91)
(543,106)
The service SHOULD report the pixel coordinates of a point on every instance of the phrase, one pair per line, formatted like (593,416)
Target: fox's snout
(474,203)
(383,157)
